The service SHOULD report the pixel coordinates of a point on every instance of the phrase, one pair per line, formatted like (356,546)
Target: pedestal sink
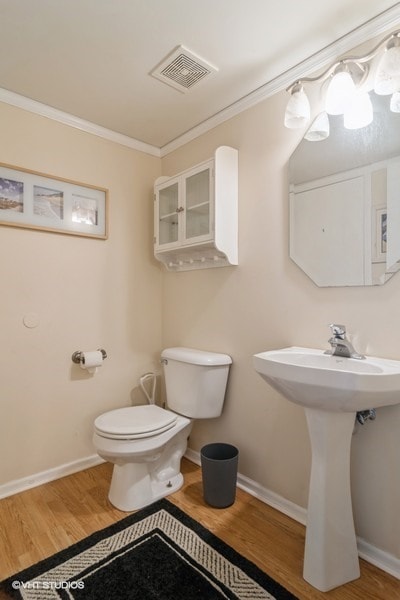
(332,390)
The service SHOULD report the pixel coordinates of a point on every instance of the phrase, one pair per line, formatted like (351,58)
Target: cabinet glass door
(168,198)
(198,204)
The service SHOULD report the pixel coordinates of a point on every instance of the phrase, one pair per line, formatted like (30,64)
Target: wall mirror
(345,202)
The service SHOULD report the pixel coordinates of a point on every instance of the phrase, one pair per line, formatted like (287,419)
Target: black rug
(158,553)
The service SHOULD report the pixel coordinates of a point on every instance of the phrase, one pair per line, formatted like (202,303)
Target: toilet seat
(134,422)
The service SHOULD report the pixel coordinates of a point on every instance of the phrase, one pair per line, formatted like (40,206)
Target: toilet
(146,443)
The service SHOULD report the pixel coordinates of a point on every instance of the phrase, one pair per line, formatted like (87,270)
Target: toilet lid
(134,422)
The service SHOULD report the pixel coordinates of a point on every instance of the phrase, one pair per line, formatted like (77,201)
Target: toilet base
(140,479)
(129,491)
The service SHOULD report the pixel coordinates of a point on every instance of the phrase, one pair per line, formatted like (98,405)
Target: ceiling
(92,58)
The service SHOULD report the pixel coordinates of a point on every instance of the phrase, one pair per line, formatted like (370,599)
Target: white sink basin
(331,389)
(316,380)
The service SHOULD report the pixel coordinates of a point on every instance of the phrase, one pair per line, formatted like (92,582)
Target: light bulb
(359,112)
(298,109)
(395,102)
(319,129)
(387,80)
(340,91)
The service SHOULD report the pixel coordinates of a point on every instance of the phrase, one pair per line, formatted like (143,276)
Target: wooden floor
(39,522)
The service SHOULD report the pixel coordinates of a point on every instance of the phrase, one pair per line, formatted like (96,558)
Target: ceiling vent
(182,69)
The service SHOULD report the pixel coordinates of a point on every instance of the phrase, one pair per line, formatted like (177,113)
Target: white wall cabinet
(196,215)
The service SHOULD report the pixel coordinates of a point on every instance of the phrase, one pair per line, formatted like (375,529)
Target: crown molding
(372,28)
(62,117)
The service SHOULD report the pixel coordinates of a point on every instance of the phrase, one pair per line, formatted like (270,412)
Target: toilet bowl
(146,443)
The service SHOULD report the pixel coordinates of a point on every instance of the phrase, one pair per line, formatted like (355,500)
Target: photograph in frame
(11,195)
(48,203)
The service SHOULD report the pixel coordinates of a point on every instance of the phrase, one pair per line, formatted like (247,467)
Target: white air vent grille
(182,69)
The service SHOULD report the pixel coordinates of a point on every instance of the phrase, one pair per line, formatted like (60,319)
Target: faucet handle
(338,330)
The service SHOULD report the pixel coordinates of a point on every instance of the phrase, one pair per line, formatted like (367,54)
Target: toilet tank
(195,381)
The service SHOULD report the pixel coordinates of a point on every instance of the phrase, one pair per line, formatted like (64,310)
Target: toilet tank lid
(196,357)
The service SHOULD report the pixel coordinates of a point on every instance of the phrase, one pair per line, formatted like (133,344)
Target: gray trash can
(219,470)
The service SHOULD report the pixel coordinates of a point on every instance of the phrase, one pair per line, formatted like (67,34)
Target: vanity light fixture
(387,80)
(395,102)
(347,83)
(319,129)
(359,112)
(298,109)
(340,91)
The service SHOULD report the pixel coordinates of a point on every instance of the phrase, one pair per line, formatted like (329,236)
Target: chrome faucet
(340,345)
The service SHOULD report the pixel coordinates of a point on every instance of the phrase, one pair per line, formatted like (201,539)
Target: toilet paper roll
(91,360)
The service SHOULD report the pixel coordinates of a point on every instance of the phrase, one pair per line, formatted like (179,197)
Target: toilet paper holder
(78,356)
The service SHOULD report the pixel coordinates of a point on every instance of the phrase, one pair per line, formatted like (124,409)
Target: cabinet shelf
(168,217)
(200,208)
(196,215)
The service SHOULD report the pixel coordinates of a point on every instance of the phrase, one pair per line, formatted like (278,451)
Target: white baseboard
(383,560)
(20,485)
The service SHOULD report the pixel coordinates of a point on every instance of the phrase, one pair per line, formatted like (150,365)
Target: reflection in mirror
(345,201)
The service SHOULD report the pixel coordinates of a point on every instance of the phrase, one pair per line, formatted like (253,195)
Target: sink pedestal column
(331,556)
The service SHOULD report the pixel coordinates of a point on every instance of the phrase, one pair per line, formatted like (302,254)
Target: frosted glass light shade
(359,112)
(395,102)
(319,129)
(387,79)
(298,110)
(340,91)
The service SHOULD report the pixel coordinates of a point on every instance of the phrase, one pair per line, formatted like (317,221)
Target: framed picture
(37,201)
(380,235)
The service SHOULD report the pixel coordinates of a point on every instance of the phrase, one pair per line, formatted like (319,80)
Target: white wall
(268,302)
(87,294)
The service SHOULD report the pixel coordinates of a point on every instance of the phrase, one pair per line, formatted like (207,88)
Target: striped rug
(157,553)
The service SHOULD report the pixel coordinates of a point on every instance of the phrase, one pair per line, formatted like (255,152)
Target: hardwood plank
(39,522)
